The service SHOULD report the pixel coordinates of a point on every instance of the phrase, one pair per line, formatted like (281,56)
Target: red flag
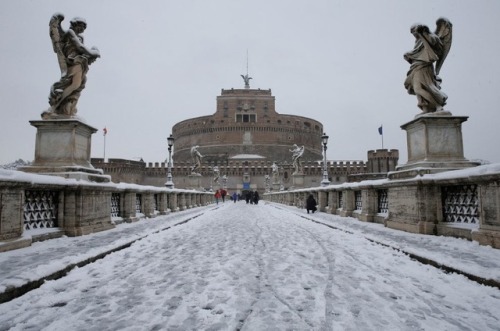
(105,131)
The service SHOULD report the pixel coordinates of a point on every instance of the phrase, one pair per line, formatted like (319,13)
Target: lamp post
(169,183)
(325,181)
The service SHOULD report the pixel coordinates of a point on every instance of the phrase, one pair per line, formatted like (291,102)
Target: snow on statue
(422,79)
(196,156)
(74,60)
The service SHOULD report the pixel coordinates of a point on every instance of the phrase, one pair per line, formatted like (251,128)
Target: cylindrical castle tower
(246,125)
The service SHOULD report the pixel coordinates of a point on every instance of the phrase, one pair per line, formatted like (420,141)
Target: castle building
(240,143)
(246,123)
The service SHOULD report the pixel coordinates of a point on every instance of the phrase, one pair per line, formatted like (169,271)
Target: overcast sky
(338,62)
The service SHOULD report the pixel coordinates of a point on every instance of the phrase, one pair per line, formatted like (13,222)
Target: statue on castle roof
(74,59)
(246,78)
(430,49)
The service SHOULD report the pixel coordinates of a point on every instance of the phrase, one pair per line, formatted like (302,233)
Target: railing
(115,205)
(155,202)
(358,202)
(40,209)
(138,203)
(30,201)
(460,204)
(382,201)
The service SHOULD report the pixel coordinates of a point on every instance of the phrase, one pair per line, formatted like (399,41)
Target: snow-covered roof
(247,156)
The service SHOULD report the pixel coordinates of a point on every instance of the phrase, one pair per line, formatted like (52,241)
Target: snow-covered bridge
(236,266)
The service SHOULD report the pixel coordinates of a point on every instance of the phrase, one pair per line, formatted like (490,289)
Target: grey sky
(339,62)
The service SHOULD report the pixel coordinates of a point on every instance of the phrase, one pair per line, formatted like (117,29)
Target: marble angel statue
(426,59)
(74,59)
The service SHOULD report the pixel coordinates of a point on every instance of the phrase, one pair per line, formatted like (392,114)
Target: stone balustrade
(461,203)
(31,203)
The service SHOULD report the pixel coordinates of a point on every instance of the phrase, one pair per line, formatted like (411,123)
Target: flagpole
(104,158)
(104,134)
(381,132)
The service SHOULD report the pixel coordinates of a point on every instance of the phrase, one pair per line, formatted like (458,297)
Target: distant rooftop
(247,156)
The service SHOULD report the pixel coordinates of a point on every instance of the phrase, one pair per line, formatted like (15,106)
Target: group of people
(251,197)
(220,194)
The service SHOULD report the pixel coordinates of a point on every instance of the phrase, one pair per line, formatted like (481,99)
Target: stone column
(173,202)
(189,204)
(322,200)
(148,204)
(163,203)
(128,206)
(182,201)
(369,204)
(349,203)
(333,201)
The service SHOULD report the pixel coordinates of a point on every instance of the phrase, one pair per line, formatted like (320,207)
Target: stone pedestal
(298,180)
(194,181)
(434,143)
(63,149)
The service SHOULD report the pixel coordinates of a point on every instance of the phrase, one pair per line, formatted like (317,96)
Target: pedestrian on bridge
(311,204)
(217,196)
(256,197)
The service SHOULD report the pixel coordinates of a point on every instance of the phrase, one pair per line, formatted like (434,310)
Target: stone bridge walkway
(235,266)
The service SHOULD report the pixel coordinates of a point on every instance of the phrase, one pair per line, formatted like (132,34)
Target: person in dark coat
(311,204)
(248,196)
(256,197)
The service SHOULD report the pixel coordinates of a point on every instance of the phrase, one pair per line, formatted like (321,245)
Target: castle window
(246,118)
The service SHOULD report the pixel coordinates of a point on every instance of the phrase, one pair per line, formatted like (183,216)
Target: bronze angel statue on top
(74,59)
(426,60)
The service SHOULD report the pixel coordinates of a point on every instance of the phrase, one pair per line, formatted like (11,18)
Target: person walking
(311,204)
(235,197)
(217,196)
(256,197)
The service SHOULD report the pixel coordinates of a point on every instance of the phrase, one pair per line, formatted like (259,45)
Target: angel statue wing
(444,32)
(56,33)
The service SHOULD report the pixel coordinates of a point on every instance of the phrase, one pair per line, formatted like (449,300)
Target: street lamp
(169,183)
(325,181)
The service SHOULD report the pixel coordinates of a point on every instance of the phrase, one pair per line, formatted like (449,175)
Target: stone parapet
(460,203)
(75,207)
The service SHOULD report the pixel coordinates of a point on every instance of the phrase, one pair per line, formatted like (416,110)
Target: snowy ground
(264,267)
